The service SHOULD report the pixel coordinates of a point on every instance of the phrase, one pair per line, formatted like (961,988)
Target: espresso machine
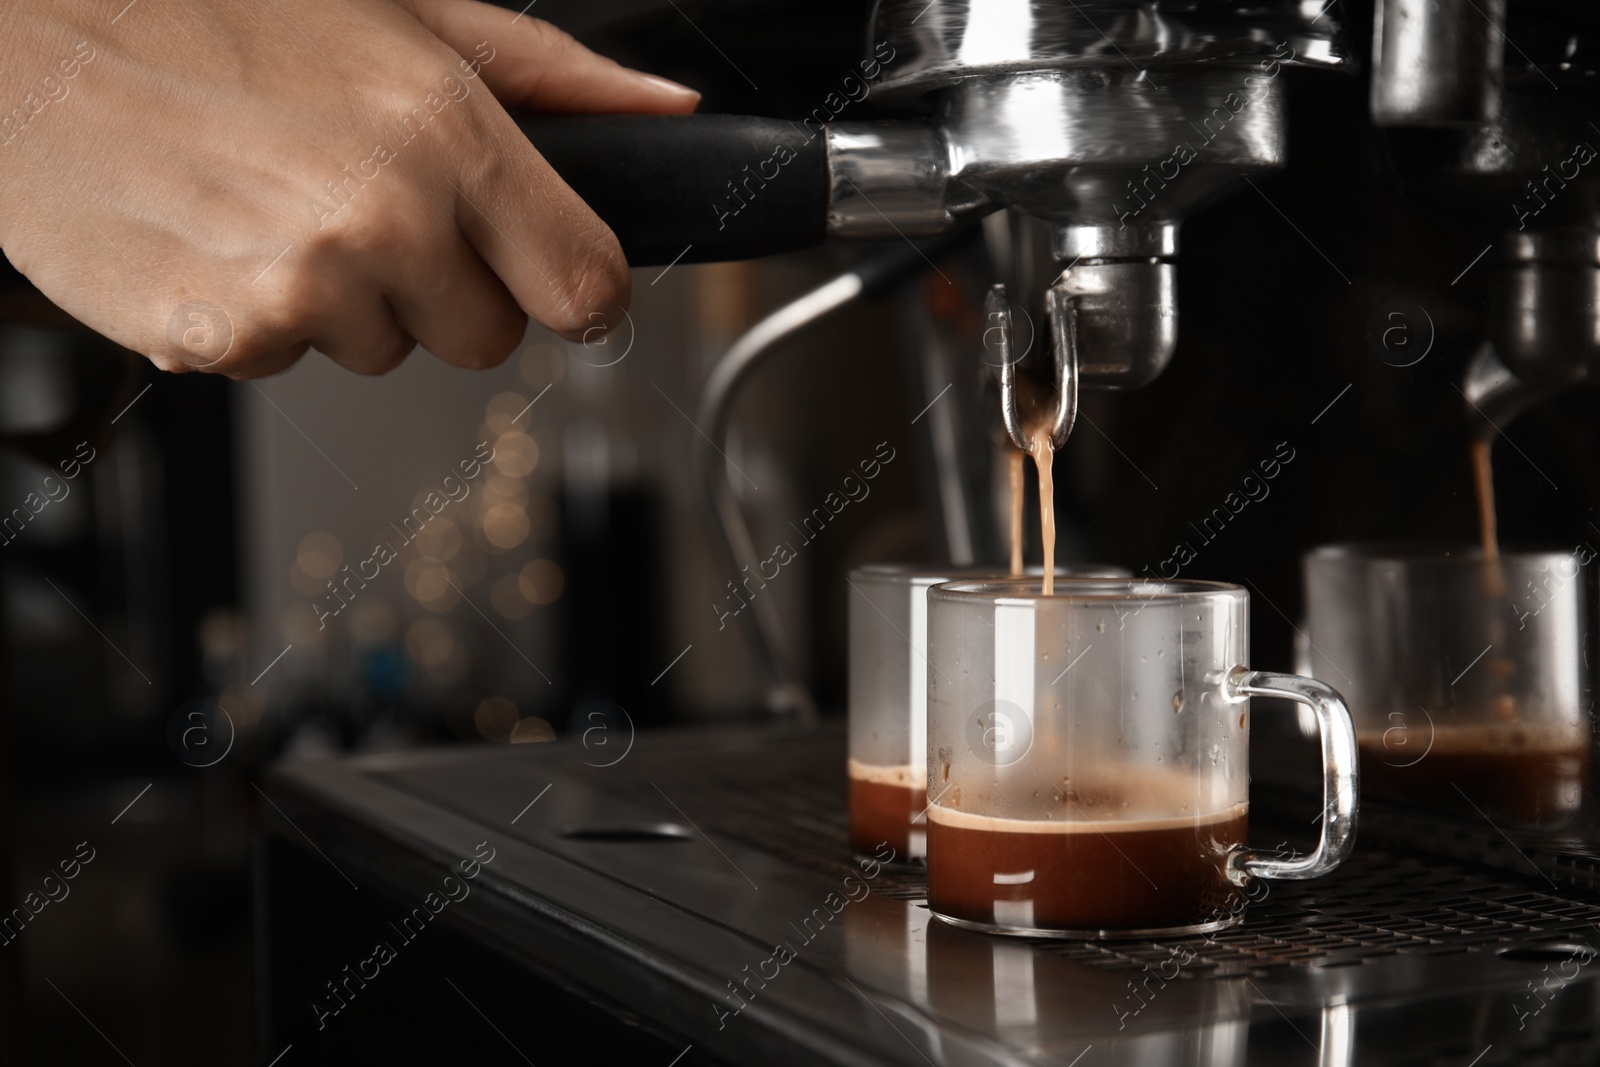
(1081,137)
(1340,165)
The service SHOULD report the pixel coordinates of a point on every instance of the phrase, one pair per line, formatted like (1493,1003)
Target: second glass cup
(888,699)
(1088,758)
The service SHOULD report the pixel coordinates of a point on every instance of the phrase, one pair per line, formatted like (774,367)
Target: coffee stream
(1043,453)
(1014,469)
(1483,477)
(1494,578)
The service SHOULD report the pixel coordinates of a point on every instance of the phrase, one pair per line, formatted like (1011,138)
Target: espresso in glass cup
(1466,674)
(887,762)
(1088,758)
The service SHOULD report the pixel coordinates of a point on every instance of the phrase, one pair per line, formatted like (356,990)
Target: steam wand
(787,692)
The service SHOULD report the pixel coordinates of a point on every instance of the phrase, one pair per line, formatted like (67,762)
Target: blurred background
(168,614)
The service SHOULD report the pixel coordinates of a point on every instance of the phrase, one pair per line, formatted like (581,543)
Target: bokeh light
(542,363)
(316,561)
(429,642)
(506,596)
(432,584)
(495,718)
(501,412)
(515,455)
(505,526)
(244,704)
(541,581)
(224,634)
(373,621)
(319,555)
(440,540)
(532,730)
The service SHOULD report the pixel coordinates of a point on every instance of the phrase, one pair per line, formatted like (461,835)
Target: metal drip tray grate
(1378,904)
(1401,957)
(794,813)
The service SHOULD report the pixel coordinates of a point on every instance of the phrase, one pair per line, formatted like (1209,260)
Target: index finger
(528,63)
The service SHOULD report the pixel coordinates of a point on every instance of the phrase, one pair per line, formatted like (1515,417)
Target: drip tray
(703,889)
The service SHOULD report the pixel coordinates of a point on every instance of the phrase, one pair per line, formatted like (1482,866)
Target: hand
(221,185)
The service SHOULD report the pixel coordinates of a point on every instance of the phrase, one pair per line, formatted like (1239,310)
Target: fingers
(457,309)
(365,337)
(528,63)
(559,261)
(266,366)
(340,312)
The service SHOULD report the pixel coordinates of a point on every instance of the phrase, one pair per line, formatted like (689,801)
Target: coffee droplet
(1241,720)
(944,764)
(1177,702)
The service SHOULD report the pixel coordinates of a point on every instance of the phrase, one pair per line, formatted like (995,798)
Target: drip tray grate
(1378,904)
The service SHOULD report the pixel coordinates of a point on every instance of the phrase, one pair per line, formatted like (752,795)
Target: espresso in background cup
(1465,674)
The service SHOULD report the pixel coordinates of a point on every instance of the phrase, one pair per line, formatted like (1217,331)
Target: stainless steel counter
(645,901)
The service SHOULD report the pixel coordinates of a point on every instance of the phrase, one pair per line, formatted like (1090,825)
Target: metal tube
(786,690)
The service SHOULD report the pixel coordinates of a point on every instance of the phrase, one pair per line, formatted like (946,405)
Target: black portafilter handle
(693,188)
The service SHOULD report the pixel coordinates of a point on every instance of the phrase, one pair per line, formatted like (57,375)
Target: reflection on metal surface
(1016,1003)
(1545,305)
(1338,1044)
(887,178)
(1492,391)
(1097,145)
(944,41)
(630,833)
(1408,944)
(1436,62)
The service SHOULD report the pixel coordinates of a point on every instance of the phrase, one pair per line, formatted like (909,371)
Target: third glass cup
(1466,676)
(1088,758)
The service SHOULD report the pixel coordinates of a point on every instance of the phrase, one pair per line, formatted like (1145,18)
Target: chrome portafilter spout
(1496,395)
(1112,322)
(1544,325)
(1544,304)
(998,312)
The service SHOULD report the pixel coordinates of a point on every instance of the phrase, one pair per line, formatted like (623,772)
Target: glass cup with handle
(1088,758)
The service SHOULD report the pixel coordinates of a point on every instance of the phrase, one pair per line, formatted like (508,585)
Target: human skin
(222,185)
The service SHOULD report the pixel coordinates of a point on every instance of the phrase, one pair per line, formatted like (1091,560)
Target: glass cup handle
(1339,776)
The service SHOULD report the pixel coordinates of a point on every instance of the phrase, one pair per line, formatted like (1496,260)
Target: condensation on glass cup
(888,699)
(1465,675)
(1088,758)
